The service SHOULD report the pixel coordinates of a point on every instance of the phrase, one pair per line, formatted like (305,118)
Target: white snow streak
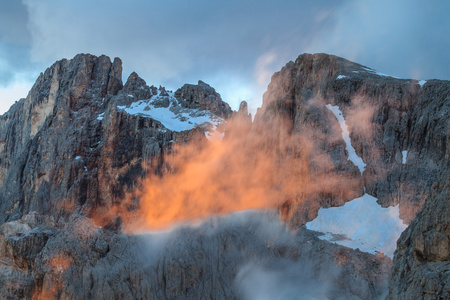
(361,223)
(404,155)
(352,156)
(341,76)
(379,73)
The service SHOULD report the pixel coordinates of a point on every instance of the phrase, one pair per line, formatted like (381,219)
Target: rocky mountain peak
(69,118)
(137,87)
(86,71)
(134,82)
(382,113)
(243,112)
(203,96)
(68,85)
(81,143)
(399,128)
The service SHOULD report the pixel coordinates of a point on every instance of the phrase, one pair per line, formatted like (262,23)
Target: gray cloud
(218,42)
(235,45)
(283,279)
(15,42)
(408,39)
(13,22)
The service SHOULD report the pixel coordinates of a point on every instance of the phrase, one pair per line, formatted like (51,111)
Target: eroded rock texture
(67,147)
(401,129)
(221,259)
(422,260)
(203,96)
(68,154)
(385,116)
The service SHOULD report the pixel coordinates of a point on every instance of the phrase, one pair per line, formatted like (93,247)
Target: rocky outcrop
(20,243)
(421,267)
(137,88)
(203,96)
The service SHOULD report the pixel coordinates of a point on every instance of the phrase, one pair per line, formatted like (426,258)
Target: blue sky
(235,46)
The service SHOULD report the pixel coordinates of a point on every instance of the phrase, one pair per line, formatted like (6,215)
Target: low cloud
(283,280)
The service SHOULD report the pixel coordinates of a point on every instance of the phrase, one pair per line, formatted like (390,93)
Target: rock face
(400,128)
(422,260)
(79,260)
(205,97)
(69,153)
(67,147)
(385,116)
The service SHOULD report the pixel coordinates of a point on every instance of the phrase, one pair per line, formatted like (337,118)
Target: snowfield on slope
(361,223)
(174,117)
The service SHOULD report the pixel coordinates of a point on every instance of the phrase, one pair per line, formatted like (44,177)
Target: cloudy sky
(233,45)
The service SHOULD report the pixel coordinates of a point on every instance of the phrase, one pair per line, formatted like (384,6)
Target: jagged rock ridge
(68,147)
(70,152)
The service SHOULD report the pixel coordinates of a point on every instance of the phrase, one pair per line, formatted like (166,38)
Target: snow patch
(169,112)
(215,135)
(131,96)
(341,76)
(379,73)
(422,82)
(352,156)
(404,155)
(77,157)
(100,116)
(361,223)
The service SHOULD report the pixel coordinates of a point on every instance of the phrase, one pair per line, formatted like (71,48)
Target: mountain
(84,159)
(400,128)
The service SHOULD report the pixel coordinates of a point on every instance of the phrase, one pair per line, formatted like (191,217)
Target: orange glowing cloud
(272,163)
(242,171)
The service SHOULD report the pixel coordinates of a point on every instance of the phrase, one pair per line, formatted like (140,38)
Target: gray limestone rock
(136,87)
(68,154)
(223,258)
(203,96)
(67,148)
(421,267)
(385,116)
